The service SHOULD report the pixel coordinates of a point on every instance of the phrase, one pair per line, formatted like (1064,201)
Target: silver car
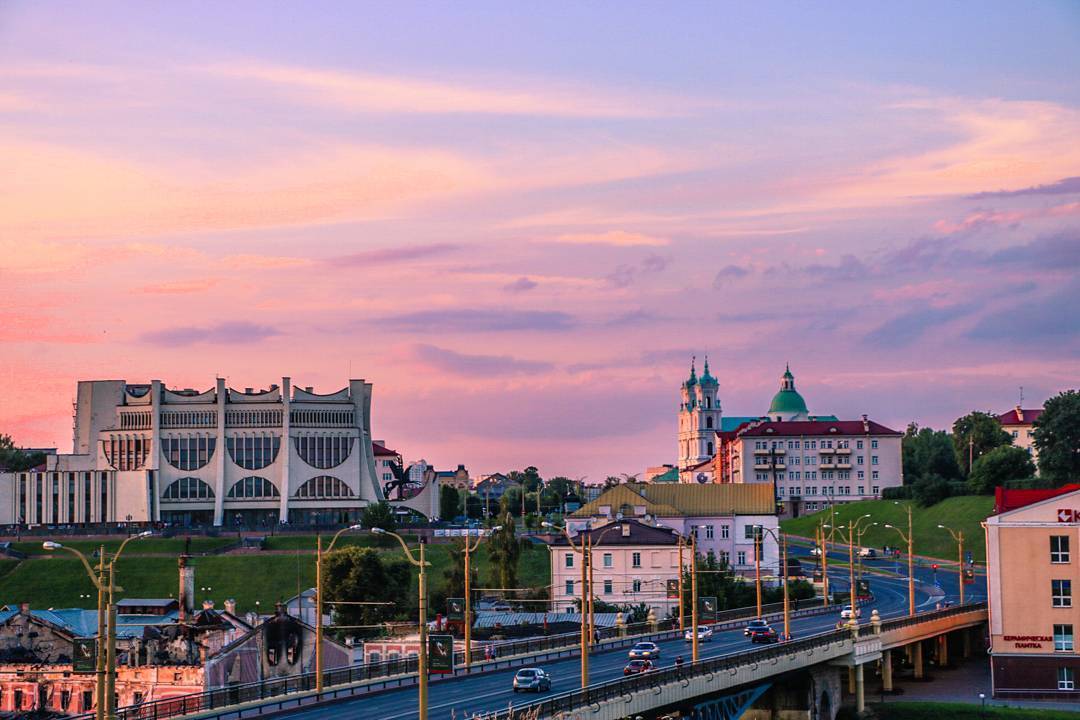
(533,679)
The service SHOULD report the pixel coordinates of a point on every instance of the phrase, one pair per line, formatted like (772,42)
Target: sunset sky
(521,220)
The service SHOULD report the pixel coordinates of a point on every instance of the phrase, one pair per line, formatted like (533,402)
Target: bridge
(741,674)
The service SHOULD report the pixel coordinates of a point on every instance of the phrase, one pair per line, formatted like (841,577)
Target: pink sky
(520,229)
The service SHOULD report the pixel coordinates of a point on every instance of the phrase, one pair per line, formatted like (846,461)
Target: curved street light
(909,538)
(470,548)
(958,536)
(318,600)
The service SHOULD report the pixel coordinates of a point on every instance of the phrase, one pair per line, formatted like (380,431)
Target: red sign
(1066,515)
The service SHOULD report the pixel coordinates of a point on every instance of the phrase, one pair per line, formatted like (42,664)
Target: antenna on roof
(1021,396)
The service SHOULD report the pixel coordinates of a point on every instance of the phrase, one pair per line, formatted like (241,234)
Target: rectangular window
(1059,548)
(569,587)
(725,532)
(748,532)
(708,532)
(861,474)
(873,444)
(87,701)
(874,475)
(1066,679)
(637,586)
(635,560)
(607,587)
(877,489)
(858,445)
(859,460)
(873,460)
(1063,638)
(607,560)
(781,491)
(862,490)
(1061,593)
(741,557)
(725,558)
(569,560)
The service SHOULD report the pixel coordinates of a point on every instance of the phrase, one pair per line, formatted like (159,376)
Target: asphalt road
(463,696)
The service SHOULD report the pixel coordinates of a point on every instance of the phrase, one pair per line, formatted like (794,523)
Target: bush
(931,490)
(896,493)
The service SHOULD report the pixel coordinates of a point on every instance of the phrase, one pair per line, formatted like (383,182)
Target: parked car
(533,679)
(764,635)
(847,613)
(636,667)
(815,551)
(754,625)
(868,553)
(645,650)
(704,634)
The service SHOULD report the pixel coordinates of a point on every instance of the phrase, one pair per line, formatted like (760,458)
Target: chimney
(187,588)
(309,388)
(865,424)
(24,608)
(1019,414)
(230,606)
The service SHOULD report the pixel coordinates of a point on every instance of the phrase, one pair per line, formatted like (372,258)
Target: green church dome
(787,401)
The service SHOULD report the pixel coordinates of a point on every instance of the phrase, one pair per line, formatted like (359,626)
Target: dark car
(754,625)
(764,635)
(636,667)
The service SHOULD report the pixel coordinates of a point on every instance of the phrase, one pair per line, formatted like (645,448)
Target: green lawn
(59,580)
(307,542)
(962,711)
(145,546)
(960,513)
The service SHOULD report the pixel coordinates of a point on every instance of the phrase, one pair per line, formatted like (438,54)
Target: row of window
(811,444)
(321,487)
(322,418)
(254,418)
(126,452)
(323,451)
(188,453)
(253,452)
(140,420)
(189,418)
(58,487)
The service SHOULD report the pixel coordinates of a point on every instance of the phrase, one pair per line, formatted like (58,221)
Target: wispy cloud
(727,275)
(618,238)
(1065,186)
(909,326)
(179,287)
(522,284)
(981,219)
(467,365)
(480,321)
(229,333)
(391,255)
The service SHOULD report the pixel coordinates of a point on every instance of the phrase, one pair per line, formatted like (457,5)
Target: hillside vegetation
(959,513)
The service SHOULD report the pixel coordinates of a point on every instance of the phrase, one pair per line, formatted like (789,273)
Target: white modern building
(145,452)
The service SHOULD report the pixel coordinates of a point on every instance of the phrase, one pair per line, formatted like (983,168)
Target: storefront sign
(1067,515)
(1030,642)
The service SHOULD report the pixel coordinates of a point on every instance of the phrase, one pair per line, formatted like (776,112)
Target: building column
(860,690)
(219,455)
(916,660)
(886,671)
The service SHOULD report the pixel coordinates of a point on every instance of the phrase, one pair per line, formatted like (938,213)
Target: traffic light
(934,566)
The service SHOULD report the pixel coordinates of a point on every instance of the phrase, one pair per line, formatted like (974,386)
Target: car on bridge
(754,625)
(764,635)
(815,551)
(637,667)
(848,612)
(533,679)
(645,651)
(868,552)
(704,634)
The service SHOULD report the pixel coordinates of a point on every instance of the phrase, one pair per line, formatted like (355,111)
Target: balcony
(844,451)
(827,450)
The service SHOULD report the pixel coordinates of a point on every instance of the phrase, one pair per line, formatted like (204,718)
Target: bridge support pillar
(966,634)
(860,690)
(851,680)
(916,660)
(886,670)
(943,650)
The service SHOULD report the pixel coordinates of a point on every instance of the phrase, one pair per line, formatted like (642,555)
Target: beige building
(1033,567)
(1020,423)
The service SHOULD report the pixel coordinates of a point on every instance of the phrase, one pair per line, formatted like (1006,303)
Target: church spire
(707,377)
(693,372)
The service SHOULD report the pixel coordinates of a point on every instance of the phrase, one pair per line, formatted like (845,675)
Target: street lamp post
(105,707)
(852,529)
(757,566)
(682,610)
(580,549)
(693,596)
(319,601)
(469,548)
(909,538)
(860,534)
(958,536)
(823,553)
(422,678)
(781,540)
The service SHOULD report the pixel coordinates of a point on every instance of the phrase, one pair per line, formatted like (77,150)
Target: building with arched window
(146,452)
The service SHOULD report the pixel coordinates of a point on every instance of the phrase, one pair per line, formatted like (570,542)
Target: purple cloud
(522,284)
(1049,324)
(468,320)
(728,274)
(466,365)
(388,256)
(1053,252)
(907,327)
(1064,186)
(230,333)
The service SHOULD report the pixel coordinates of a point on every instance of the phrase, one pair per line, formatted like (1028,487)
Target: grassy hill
(58,579)
(959,513)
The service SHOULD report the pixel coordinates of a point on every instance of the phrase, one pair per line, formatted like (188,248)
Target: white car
(704,634)
(868,552)
(815,551)
(847,613)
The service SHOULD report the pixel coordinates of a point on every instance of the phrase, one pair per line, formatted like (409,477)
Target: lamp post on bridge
(909,538)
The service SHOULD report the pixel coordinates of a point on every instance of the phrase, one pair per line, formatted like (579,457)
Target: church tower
(787,404)
(699,417)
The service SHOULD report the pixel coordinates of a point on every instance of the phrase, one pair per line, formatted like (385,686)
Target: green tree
(999,466)
(474,506)
(529,478)
(560,486)
(511,501)
(504,553)
(378,515)
(611,481)
(930,490)
(449,502)
(13,459)
(354,574)
(928,452)
(455,571)
(976,434)
(1057,438)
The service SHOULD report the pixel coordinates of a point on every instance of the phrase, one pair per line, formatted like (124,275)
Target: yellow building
(1033,566)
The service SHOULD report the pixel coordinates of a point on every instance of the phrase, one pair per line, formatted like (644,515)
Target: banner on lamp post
(455,608)
(672,589)
(707,609)
(440,652)
(85,655)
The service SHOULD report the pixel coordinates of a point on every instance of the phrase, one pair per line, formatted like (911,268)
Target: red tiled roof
(1019,416)
(818,427)
(1005,499)
(379,450)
